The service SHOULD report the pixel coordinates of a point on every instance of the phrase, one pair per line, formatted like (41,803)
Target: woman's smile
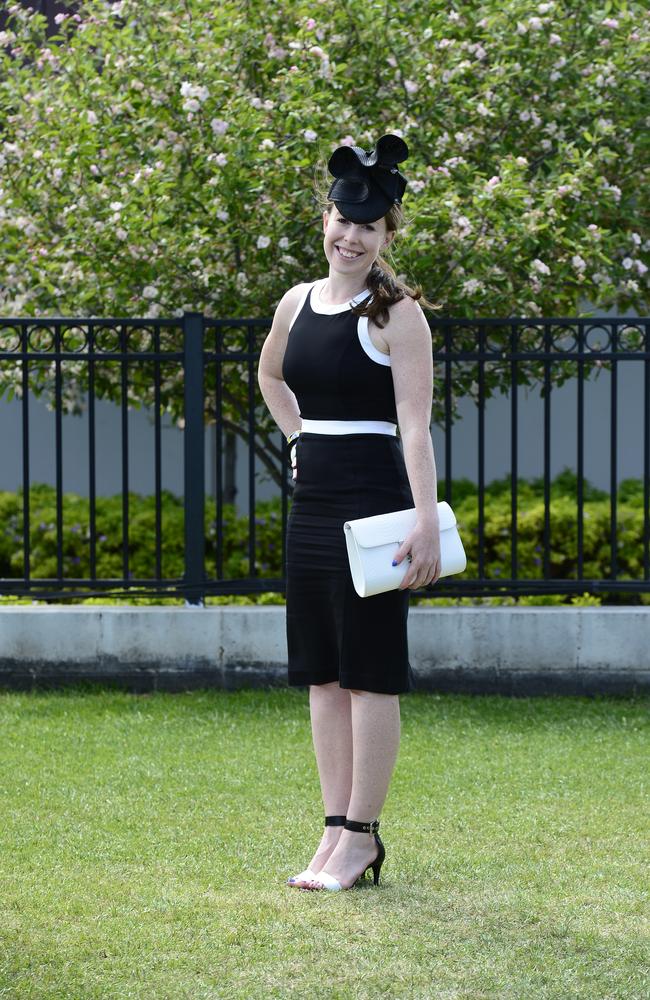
(348,254)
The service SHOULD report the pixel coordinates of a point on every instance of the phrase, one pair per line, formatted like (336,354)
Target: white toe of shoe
(307,876)
(325,881)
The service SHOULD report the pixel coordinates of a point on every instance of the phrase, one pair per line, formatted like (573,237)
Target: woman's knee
(373,694)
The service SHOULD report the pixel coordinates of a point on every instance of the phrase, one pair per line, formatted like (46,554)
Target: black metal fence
(217,364)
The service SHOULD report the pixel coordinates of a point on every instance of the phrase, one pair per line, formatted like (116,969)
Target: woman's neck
(336,290)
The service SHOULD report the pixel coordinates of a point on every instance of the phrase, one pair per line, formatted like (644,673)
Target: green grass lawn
(146,839)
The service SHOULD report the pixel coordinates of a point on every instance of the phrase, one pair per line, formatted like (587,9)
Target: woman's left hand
(423,544)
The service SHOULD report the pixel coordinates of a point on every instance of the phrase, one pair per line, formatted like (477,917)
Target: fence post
(194,459)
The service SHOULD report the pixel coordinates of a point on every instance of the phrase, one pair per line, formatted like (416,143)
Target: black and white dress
(349,463)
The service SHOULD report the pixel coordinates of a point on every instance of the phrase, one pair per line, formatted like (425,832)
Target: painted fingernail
(394,562)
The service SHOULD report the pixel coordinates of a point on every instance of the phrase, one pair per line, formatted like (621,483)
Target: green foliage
(141,538)
(157,157)
(563,564)
(268,538)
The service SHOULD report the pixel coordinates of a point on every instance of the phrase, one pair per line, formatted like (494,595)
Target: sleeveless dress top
(331,364)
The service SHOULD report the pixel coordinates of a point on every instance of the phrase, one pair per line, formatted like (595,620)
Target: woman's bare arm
(279,398)
(409,339)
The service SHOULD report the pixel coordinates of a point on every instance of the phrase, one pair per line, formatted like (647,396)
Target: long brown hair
(382,281)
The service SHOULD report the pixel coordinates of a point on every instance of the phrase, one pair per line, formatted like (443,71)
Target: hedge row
(268,551)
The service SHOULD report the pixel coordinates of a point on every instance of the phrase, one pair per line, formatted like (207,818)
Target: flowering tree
(157,157)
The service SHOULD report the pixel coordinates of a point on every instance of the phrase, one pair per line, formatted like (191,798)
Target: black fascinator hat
(367,184)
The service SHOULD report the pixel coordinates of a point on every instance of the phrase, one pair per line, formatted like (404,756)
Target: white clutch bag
(373,541)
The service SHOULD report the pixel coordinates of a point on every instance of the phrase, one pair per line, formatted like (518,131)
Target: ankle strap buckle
(357,827)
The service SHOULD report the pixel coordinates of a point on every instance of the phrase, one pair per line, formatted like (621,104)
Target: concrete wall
(511,651)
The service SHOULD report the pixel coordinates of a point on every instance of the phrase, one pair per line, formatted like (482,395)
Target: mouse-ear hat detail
(367,184)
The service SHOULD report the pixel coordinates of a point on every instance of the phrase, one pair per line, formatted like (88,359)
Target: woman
(347,360)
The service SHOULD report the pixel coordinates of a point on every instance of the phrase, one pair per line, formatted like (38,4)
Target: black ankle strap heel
(335,820)
(373,828)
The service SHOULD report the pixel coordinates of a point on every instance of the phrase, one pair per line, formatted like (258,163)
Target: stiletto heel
(373,828)
(308,875)
(326,881)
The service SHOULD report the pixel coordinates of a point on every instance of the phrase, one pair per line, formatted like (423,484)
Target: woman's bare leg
(375,735)
(331,725)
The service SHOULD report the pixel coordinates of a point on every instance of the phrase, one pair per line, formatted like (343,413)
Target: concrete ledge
(514,651)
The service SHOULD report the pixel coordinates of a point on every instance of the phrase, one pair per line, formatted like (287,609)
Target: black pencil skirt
(332,633)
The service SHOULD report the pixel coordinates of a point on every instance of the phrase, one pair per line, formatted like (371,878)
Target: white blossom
(263,241)
(472,285)
(539,265)
(194,90)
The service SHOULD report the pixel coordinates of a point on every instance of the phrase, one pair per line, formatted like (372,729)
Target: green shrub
(141,539)
(563,563)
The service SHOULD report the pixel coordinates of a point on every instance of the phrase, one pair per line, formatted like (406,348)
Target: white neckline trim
(327,309)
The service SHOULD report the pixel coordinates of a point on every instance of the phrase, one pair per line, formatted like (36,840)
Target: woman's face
(363,241)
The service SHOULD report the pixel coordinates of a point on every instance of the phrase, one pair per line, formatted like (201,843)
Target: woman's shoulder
(405,307)
(293,295)
(406,319)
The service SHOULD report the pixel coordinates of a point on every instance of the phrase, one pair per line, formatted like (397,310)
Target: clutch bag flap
(385,529)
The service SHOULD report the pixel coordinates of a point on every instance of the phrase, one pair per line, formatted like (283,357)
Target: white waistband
(349,427)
